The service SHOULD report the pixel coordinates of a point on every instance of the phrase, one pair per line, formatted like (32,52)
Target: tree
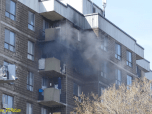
(134,99)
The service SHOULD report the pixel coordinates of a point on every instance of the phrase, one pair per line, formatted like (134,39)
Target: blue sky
(135,18)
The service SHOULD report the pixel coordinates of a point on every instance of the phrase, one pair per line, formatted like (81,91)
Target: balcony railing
(51,67)
(144,64)
(51,98)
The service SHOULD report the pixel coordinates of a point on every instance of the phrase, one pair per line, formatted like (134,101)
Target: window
(118,51)
(102,90)
(10,11)
(7,102)
(94,10)
(30,81)
(129,58)
(45,26)
(43,111)
(29,108)
(31,22)
(44,82)
(138,71)
(104,44)
(77,90)
(9,40)
(104,70)
(118,77)
(30,54)
(129,81)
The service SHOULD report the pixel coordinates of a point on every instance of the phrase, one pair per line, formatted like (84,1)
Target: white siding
(149,75)
(144,64)
(33,4)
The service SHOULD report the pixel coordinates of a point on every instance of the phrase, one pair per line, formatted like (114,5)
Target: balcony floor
(51,74)
(52,104)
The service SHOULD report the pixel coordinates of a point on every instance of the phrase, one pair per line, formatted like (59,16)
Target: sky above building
(135,18)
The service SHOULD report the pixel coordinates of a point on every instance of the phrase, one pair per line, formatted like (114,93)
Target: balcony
(51,67)
(51,98)
(144,64)
(55,10)
(8,74)
(100,22)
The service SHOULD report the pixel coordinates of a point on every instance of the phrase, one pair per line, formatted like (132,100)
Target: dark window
(118,51)
(75,89)
(94,10)
(9,40)
(129,58)
(7,102)
(31,20)
(10,11)
(138,71)
(30,81)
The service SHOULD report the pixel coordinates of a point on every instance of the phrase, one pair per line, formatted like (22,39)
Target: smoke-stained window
(129,58)
(10,10)
(31,21)
(104,70)
(104,44)
(7,102)
(30,81)
(117,51)
(9,40)
(118,76)
(30,54)
(129,81)
(29,108)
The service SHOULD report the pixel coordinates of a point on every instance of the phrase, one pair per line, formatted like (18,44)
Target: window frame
(104,43)
(9,13)
(8,102)
(27,108)
(28,85)
(118,82)
(29,54)
(10,45)
(42,110)
(33,21)
(117,56)
(130,83)
(128,62)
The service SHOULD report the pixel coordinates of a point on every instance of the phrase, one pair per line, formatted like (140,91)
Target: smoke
(81,49)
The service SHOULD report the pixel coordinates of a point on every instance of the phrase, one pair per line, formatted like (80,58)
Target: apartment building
(61,48)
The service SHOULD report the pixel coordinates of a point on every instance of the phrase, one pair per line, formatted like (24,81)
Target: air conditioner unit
(3,73)
(4,105)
